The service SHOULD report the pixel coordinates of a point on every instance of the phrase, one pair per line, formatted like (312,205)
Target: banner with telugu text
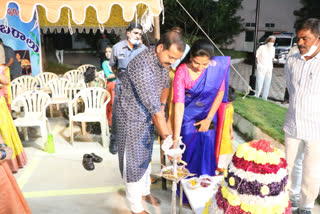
(23,38)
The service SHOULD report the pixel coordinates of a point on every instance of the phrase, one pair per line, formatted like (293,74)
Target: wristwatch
(163,104)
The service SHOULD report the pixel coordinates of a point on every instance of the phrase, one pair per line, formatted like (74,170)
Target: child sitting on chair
(91,77)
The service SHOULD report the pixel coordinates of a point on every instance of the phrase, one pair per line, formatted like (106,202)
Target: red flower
(261,145)
(251,166)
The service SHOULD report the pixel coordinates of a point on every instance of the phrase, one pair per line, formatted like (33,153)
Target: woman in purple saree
(200,85)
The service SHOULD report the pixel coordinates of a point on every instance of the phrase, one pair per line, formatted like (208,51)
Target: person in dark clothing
(11,61)
(102,44)
(59,46)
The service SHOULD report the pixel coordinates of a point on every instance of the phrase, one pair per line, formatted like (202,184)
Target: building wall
(277,12)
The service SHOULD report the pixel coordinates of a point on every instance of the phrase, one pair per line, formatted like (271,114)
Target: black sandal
(96,158)
(87,162)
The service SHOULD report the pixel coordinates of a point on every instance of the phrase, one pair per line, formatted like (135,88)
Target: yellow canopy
(115,22)
(78,8)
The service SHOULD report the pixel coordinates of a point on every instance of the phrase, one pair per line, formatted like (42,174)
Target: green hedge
(233,53)
(269,117)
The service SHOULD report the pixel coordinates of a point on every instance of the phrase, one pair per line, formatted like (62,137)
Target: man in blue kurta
(139,110)
(122,53)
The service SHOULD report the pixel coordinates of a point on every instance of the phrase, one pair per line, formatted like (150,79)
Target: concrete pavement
(58,184)
(277,87)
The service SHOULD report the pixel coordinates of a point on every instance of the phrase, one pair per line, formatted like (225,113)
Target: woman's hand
(204,125)
(174,145)
(231,136)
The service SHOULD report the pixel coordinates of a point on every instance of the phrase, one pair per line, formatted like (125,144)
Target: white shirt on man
(303,83)
(265,54)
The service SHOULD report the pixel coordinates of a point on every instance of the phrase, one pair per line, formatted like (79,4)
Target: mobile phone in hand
(210,127)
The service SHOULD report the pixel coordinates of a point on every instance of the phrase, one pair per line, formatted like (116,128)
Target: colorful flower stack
(255,182)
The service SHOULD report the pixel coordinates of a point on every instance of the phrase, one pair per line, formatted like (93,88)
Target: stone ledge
(234,61)
(246,128)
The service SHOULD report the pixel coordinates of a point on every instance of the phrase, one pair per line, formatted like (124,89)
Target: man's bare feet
(152,200)
(143,212)
(187,205)
(153,180)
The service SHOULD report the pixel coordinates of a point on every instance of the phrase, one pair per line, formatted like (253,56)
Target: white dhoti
(264,76)
(304,170)
(136,190)
(265,54)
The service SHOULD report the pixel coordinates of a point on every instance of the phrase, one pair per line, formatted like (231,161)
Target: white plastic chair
(44,78)
(98,82)
(76,78)
(34,107)
(101,75)
(83,68)
(95,103)
(20,85)
(59,92)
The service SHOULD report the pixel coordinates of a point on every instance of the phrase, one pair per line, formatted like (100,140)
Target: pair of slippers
(89,160)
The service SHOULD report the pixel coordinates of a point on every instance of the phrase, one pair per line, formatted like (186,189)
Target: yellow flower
(241,151)
(245,207)
(267,210)
(278,209)
(258,209)
(279,153)
(232,181)
(225,173)
(224,192)
(250,154)
(273,158)
(206,209)
(261,157)
(264,190)
(233,200)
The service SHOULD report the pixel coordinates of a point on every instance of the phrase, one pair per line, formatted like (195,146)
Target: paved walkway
(277,87)
(58,184)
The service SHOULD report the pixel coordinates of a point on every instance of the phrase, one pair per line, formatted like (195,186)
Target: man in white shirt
(265,54)
(293,50)
(302,123)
